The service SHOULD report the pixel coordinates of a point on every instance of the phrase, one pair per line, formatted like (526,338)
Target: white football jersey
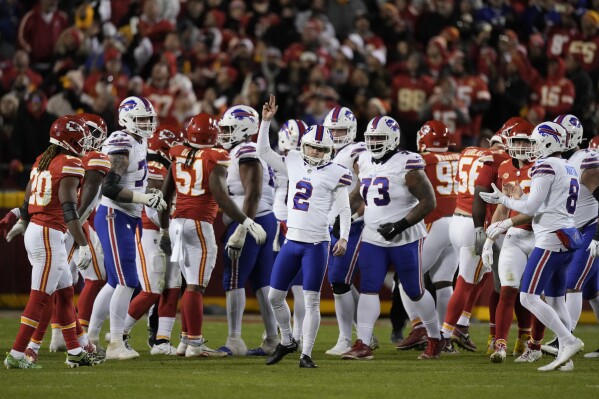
(346,157)
(136,176)
(387,198)
(557,210)
(280,205)
(586,207)
(239,153)
(310,197)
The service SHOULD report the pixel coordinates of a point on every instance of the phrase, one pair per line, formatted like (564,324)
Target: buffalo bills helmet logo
(240,115)
(545,131)
(127,106)
(350,115)
(392,125)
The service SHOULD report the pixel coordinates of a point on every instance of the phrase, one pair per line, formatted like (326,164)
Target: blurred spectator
(157,90)
(71,100)
(556,92)
(377,107)
(111,76)
(19,67)
(586,44)
(583,87)
(343,13)
(441,13)
(536,114)
(153,24)
(510,94)
(9,105)
(39,31)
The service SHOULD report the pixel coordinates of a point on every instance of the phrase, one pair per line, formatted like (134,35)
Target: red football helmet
(519,145)
(202,131)
(98,130)
(163,139)
(433,136)
(502,134)
(594,143)
(71,133)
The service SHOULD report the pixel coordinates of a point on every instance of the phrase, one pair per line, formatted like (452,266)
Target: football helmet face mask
(98,131)
(237,123)
(342,124)
(290,134)
(203,131)
(381,136)
(71,133)
(547,138)
(165,138)
(317,137)
(519,145)
(433,136)
(137,116)
(573,129)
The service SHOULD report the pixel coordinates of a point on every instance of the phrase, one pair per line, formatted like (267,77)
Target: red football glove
(8,221)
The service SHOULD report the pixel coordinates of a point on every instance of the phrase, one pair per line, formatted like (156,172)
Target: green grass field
(390,374)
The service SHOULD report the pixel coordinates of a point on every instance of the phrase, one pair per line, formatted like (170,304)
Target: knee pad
(340,288)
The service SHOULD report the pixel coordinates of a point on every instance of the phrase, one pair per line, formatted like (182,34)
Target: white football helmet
(291,133)
(320,137)
(573,129)
(341,118)
(547,138)
(131,110)
(237,123)
(382,136)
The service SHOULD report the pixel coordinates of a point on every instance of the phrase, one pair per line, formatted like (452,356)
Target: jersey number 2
(302,196)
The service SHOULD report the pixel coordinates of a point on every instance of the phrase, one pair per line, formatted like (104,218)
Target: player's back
(441,168)
(191,171)
(44,204)
(135,177)
(586,207)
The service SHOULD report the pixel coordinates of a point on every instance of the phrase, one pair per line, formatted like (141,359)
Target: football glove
(236,241)
(85,257)
(18,228)
(479,239)
(255,230)
(153,200)
(9,220)
(487,253)
(498,228)
(390,230)
(165,242)
(494,197)
(594,248)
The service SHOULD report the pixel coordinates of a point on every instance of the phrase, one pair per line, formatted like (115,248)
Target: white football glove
(152,199)
(255,230)
(498,228)
(494,197)
(594,248)
(487,254)
(85,257)
(236,241)
(18,228)
(479,239)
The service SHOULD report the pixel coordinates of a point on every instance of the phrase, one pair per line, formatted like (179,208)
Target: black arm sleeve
(110,186)
(70,211)
(25,210)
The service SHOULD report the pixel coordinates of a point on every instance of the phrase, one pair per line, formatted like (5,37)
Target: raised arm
(266,153)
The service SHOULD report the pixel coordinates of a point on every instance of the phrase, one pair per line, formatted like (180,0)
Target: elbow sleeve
(110,187)
(69,209)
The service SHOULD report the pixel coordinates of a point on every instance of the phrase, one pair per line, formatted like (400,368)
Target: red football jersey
(508,173)
(194,199)
(557,96)
(98,161)
(441,168)
(588,51)
(488,174)
(44,205)
(469,167)
(162,100)
(558,41)
(156,171)
(410,95)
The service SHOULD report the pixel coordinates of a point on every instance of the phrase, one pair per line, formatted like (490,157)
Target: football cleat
(500,352)
(490,344)
(164,349)
(199,349)
(234,347)
(415,340)
(11,363)
(433,349)
(554,365)
(359,351)
(568,366)
(343,345)
(83,358)
(448,347)
(120,351)
(529,356)
(520,346)
(182,347)
(551,347)
(461,338)
(31,355)
(266,349)
(281,351)
(592,355)
(306,362)
(567,351)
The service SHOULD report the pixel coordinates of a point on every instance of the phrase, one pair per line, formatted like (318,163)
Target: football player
(251,184)
(552,203)
(50,210)
(439,258)
(315,184)
(342,124)
(397,196)
(119,217)
(198,174)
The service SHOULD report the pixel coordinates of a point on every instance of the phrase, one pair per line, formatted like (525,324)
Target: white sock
(345,308)
(464,319)
(57,335)
(595,305)
(407,304)
(559,305)
(268,317)
(165,327)
(443,296)
(129,323)
(369,309)
(83,340)
(428,314)
(574,305)
(546,315)
(235,308)
(299,311)
(99,312)
(75,351)
(34,346)
(311,321)
(17,355)
(282,313)
(356,294)
(119,305)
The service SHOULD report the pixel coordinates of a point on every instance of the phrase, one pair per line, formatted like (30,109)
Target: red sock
(141,304)
(493,302)
(474,293)
(54,318)
(66,316)
(87,297)
(457,301)
(195,314)
(537,333)
(183,305)
(168,302)
(30,319)
(505,312)
(40,331)
(524,318)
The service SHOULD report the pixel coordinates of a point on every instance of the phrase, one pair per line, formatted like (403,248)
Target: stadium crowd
(471,63)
